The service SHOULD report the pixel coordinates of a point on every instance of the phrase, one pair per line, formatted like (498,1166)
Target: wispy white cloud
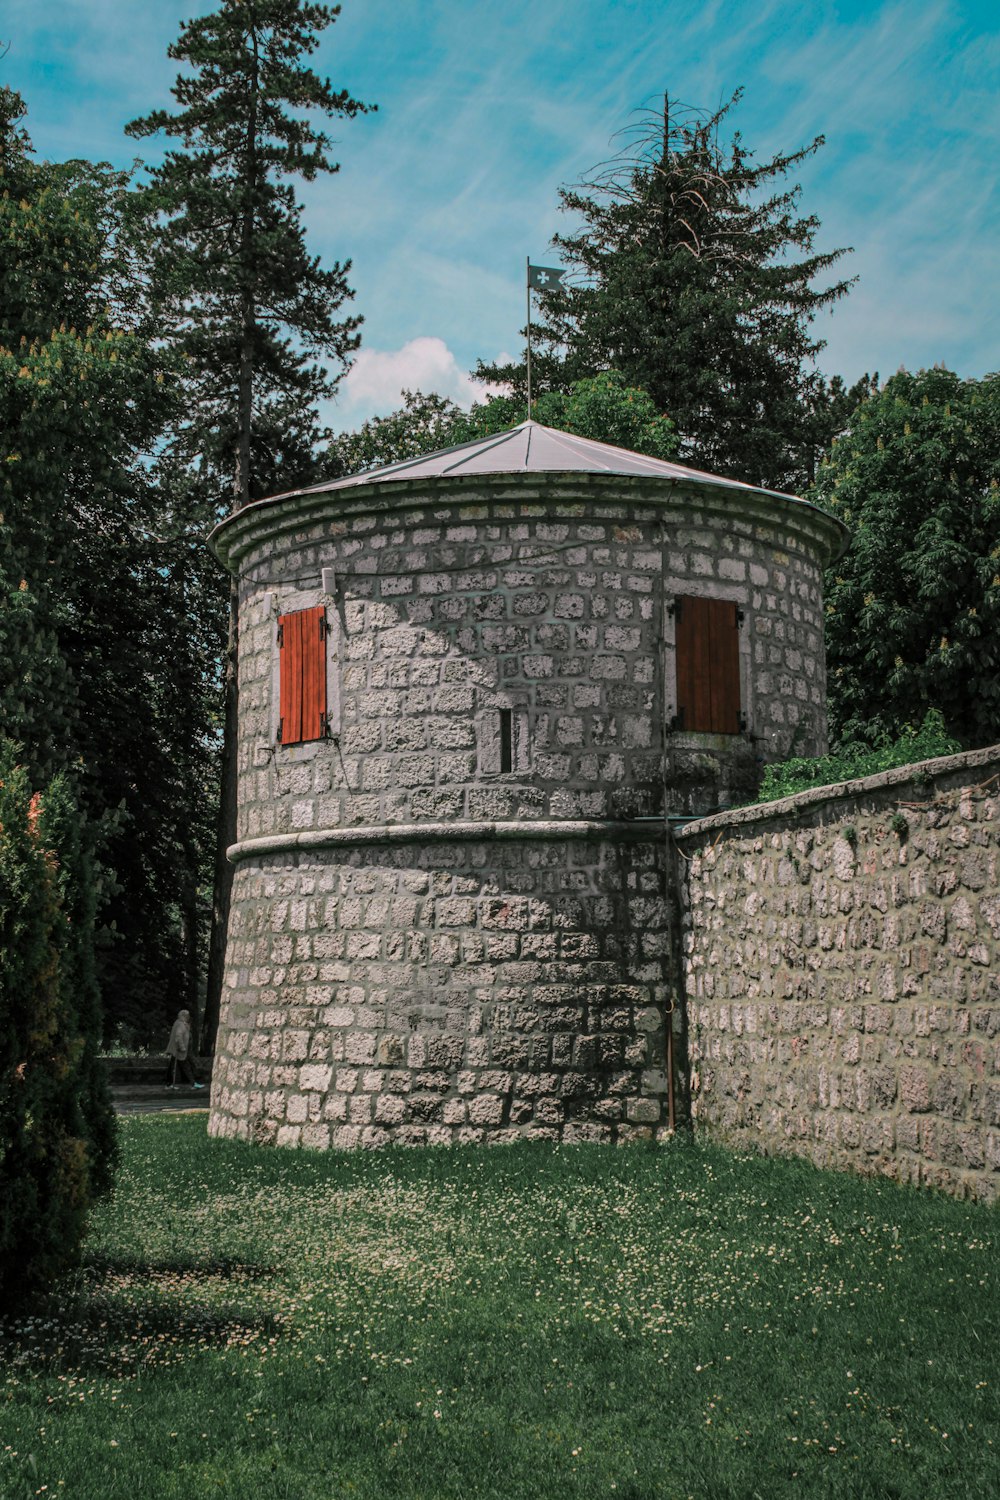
(378,378)
(487,109)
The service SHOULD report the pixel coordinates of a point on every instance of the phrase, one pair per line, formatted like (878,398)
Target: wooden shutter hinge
(281,636)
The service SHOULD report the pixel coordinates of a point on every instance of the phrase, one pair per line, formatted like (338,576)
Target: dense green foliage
(535,1323)
(604,408)
(421,425)
(913,610)
(109,606)
(852,758)
(695,277)
(57,1136)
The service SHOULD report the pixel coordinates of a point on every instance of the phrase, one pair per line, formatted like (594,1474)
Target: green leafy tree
(255,316)
(105,672)
(693,273)
(825,411)
(421,425)
(603,408)
(913,609)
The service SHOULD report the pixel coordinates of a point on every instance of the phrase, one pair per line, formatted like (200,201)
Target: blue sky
(487,106)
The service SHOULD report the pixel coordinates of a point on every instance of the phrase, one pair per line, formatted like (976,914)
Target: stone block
(391,1109)
(360,1047)
(297,1109)
(486,1109)
(315,1076)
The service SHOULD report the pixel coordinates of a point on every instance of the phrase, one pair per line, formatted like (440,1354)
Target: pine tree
(695,279)
(235,287)
(232,280)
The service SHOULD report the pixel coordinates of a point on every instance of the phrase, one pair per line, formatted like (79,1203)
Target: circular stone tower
(474,690)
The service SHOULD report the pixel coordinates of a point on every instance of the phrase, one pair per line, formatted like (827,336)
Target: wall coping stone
(459,831)
(786,808)
(274,520)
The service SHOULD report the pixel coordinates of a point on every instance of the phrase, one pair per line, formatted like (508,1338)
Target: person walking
(178,1052)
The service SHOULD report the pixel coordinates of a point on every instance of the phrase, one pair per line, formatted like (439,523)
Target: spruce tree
(255,315)
(232,281)
(693,274)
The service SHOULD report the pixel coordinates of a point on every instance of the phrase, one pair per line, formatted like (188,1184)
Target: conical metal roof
(528,448)
(531,448)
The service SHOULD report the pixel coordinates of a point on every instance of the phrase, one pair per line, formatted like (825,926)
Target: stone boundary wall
(842,973)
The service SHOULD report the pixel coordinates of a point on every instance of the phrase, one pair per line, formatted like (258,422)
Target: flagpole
(527,283)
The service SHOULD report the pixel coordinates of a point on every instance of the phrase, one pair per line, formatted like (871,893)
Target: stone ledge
(651,830)
(278,516)
(786,808)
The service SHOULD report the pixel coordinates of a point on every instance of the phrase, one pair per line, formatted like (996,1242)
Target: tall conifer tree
(255,314)
(695,278)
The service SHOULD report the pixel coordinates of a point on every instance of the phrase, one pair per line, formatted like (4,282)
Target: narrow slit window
(506,739)
(302,676)
(708,666)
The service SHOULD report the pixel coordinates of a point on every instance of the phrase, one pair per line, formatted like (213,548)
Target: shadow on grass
(120,1314)
(218,1268)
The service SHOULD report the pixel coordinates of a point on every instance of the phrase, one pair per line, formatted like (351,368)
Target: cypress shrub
(57,1128)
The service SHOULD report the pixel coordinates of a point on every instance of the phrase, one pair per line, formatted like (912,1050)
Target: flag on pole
(541,278)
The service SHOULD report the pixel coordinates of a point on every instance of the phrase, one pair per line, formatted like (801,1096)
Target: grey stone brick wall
(434,989)
(426,947)
(842,969)
(554,607)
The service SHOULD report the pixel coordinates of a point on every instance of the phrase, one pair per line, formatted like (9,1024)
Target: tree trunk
(242,489)
(225,835)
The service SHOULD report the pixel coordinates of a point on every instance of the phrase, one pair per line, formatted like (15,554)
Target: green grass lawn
(527,1321)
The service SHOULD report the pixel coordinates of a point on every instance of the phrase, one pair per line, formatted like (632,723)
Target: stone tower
(475,689)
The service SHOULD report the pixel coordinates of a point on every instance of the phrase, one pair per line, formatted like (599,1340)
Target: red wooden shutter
(302,675)
(708,666)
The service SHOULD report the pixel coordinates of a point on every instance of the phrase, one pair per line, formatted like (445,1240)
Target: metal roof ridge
(574,442)
(662,466)
(476,446)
